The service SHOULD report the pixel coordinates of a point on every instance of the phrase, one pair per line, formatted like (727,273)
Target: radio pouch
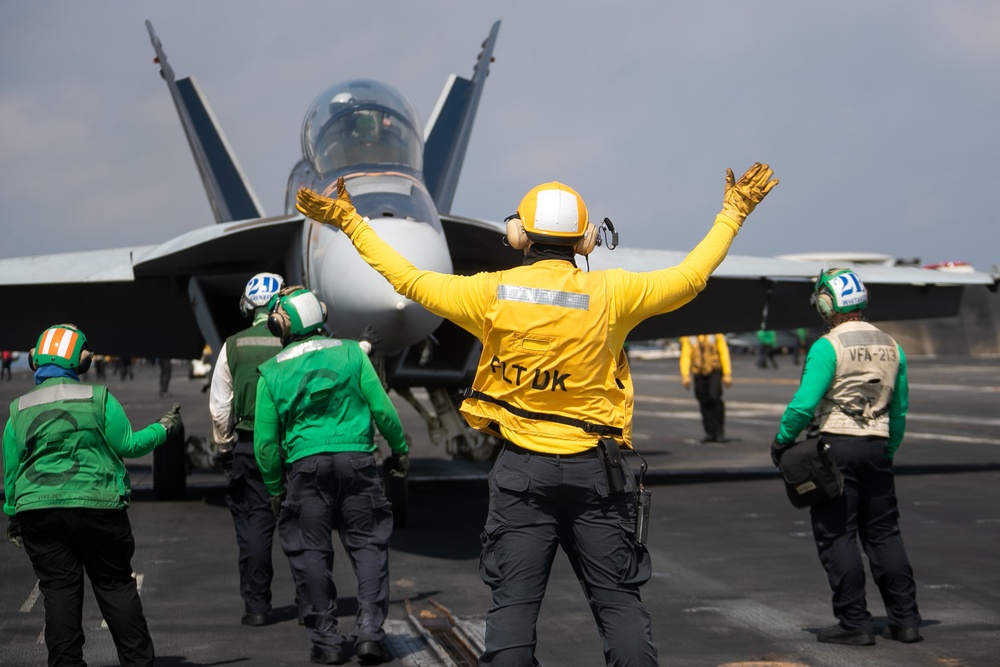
(810,474)
(611,456)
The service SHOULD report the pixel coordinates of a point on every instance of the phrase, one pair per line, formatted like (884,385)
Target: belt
(592,453)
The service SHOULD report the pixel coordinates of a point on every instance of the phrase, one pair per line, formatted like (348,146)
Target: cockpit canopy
(362,122)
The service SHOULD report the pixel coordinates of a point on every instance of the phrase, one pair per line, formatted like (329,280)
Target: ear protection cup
(278,323)
(516,236)
(86,358)
(824,304)
(587,242)
(31,360)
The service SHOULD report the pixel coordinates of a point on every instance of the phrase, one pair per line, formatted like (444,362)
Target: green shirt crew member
(767,342)
(67,491)
(854,387)
(316,404)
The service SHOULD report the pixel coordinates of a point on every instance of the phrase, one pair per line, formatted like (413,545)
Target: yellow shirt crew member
(554,382)
(707,358)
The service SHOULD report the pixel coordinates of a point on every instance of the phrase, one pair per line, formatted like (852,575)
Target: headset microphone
(606,226)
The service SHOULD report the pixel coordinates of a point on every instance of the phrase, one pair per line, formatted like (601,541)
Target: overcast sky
(881,119)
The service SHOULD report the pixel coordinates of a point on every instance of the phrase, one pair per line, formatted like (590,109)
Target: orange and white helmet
(63,345)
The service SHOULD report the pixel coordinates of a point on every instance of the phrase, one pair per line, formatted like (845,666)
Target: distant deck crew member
(706,358)
(66,493)
(553,382)
(854,385)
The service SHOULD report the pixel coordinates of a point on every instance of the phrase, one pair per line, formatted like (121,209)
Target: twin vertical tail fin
(229,193)
(447,134)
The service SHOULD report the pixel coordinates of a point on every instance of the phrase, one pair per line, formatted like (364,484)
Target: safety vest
(547,379)
(857,402)
(64,459)
(245,351)
(315,385)
(705,354)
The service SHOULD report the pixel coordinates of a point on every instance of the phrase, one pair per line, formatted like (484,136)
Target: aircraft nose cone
(358,296)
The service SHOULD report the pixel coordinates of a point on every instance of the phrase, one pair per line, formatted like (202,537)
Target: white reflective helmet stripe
(557,211)
(308,309)
(59,342)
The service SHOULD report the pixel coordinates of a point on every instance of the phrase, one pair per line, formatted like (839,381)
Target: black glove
(224,460)
(14,532)
(276,504)
(777,449)
(400,465)
(373,337)
(172,420)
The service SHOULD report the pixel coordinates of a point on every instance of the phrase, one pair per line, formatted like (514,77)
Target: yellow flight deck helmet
(550,213)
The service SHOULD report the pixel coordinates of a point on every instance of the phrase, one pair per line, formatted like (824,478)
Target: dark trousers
(765,355)
(708,391)
(166,370)
(250,504)
(538,503)
(867,511)
(62,543)
(340,492)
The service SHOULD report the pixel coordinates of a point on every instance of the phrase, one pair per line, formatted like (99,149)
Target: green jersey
(63,446)
(319,395)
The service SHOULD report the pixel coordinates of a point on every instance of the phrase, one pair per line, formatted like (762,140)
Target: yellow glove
(742,196)
(339,212)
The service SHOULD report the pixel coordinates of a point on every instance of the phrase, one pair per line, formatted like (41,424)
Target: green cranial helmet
(839,291)
(63,345)
(296,312)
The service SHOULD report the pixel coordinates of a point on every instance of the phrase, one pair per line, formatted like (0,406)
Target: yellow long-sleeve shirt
(631,297)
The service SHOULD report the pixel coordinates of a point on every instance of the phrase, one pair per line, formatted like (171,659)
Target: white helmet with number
(259,292)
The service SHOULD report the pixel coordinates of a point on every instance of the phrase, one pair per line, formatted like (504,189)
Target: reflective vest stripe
(545,297)
(258,341)
(307,347)
(856,338)
(59,392)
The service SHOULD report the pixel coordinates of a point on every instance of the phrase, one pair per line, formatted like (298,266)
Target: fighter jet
(403,178)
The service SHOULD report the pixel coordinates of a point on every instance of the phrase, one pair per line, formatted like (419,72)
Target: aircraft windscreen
(390,196)
(362,123)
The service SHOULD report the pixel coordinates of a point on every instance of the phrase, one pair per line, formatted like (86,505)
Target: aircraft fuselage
(367,133)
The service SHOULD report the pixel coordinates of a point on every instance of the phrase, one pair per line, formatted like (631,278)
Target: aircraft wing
(477,245)
(744,294)
(747,293)
(144,301)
